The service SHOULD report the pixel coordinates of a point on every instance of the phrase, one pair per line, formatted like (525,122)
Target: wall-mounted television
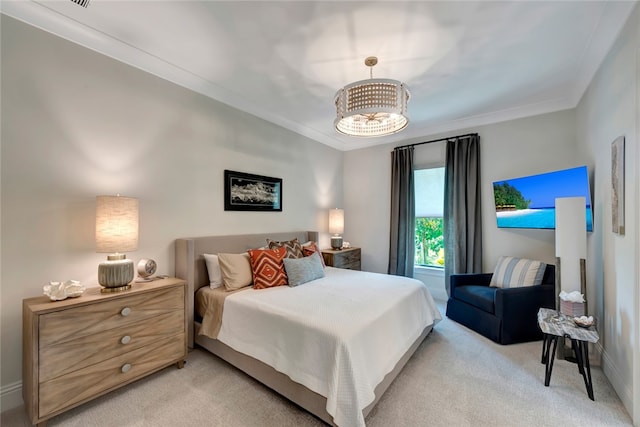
(529,201)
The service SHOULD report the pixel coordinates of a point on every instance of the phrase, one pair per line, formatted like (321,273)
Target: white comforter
(338,336)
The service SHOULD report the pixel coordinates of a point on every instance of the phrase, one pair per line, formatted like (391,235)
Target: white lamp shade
(336,221)
(116,224)
(571,240)
(374,107)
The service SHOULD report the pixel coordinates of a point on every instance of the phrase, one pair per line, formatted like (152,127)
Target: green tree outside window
(429,242)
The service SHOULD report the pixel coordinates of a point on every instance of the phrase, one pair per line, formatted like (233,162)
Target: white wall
(608,109)
(636,348)
(76,124)
(434,279)
(508,150)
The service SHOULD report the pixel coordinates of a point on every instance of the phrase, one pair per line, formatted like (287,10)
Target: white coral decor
(57,291)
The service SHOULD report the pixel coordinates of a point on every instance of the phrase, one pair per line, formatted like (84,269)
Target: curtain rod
(436,140)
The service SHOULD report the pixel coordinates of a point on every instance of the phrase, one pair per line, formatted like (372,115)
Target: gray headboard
(190,264)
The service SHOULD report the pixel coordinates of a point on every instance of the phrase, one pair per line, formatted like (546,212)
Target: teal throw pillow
(303,270)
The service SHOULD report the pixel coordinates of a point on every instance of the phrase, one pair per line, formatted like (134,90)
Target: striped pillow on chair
(514,272)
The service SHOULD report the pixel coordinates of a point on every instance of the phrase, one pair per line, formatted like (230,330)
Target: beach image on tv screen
(529,202)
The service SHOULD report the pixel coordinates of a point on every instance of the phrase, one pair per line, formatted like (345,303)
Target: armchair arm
(517,302)
(467,279)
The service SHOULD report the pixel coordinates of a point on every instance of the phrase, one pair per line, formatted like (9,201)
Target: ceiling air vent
(83,3)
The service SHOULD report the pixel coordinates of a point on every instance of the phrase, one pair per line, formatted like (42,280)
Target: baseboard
(621,387)
(595,354)
(10,396)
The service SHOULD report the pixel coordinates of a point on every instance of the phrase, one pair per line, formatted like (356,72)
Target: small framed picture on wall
(617,185)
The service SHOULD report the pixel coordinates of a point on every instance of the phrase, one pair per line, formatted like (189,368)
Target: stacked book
(571,309)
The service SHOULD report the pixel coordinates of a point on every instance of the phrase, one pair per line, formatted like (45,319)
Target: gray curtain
(462,220)
(401,244)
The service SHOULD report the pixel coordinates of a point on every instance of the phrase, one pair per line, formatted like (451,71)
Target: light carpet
(455,378)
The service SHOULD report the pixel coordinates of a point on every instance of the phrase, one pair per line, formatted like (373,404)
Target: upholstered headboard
(190,264)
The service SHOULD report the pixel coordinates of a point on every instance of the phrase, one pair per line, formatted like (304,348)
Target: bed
(340,400)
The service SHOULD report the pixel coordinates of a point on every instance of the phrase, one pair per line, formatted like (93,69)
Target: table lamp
(336,227)
(116,232)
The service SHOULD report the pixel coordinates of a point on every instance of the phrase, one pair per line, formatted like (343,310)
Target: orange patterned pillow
(310,248)
(267,267)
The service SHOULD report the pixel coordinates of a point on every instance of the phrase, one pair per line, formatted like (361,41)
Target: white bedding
(338,335)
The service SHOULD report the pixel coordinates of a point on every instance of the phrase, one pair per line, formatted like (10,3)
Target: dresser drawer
(346,258)
(353,265)
(349,258)
(70,324)
(84,384)
(88,350)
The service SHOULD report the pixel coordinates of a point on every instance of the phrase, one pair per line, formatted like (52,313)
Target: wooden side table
(555,325)
(348,258)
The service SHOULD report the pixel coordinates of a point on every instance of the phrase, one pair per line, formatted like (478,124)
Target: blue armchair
(506,316)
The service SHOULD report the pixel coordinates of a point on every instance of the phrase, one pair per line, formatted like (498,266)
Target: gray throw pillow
(303,270)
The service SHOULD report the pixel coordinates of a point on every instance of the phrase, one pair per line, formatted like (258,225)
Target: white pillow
(213,268)
(513,272)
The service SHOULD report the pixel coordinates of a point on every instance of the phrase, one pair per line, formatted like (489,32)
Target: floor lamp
(571,248)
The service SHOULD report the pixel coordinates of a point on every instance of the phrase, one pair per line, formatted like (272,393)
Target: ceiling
(467,63)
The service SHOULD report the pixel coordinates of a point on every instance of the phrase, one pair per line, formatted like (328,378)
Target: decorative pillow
(267,267)
(303,270)
(310,248)
(213,268)
(293,247)
(235,269)
(513,272)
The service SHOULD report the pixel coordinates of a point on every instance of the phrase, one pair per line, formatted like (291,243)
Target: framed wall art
(248,192)
(617,185)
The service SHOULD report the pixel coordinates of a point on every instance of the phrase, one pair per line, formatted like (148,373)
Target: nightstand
(343,258)
(80,348)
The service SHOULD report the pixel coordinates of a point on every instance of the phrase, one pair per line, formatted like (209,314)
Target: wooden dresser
(343,258)
(80,348)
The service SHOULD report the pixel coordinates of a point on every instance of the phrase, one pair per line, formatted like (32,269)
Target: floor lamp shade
(336,227)
(571,242)
(116,232)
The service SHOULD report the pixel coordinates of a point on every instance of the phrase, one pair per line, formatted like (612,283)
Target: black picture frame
(249,192)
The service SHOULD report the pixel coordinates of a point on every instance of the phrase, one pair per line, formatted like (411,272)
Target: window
(429,198)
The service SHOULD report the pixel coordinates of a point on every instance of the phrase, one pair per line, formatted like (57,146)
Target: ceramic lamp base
(336,242)
(115,275)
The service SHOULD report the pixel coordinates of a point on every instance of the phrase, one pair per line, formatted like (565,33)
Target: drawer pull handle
(125,339)
(125,312)
(125,368)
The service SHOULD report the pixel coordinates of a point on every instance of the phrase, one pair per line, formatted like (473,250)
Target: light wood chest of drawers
(78,349)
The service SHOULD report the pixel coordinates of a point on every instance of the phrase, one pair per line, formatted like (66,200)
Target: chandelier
(373,107)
